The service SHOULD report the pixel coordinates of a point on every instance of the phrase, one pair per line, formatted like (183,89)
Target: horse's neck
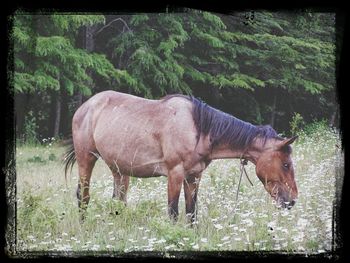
(252,153)
(224,152)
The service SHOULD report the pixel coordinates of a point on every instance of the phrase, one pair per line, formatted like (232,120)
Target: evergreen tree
(47,60)
(283,55)
(260,66)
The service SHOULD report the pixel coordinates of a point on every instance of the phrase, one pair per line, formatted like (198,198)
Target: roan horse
(177,136)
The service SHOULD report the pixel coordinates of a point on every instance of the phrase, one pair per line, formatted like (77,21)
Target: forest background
(276,68)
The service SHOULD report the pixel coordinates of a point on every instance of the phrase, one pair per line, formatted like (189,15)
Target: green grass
(48,220)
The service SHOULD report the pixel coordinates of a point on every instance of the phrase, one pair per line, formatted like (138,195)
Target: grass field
(48,221)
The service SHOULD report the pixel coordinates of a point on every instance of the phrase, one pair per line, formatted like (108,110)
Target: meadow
(48,219)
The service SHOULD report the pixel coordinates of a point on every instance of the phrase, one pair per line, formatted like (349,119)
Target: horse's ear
(282,146)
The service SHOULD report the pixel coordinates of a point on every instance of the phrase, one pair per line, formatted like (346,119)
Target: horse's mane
(223,128)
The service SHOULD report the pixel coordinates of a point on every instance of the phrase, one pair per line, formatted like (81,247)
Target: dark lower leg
(191,184)
(121,185)
(175,180)
(83,195)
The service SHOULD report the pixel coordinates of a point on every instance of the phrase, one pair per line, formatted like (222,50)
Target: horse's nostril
(290,204)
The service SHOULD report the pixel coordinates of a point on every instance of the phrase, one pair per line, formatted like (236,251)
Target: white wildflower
(301,248)
(161,241)
(170,246)
(196,246)
(225,238)
(218,226)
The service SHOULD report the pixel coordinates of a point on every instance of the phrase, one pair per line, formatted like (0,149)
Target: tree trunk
(21,102)
(333,120)
(57,116)
(89,45)
(89,38)
(273,111)
(79,99)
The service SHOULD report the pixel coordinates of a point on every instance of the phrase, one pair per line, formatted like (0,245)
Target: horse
(176,136)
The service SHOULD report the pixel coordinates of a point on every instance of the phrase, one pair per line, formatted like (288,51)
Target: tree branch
(110,23)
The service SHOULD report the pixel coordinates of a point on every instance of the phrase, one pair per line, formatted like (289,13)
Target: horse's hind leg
(121,185)
(86,164)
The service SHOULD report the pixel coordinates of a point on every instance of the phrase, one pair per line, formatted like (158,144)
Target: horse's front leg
(191,185)
(121,185)
(175,180)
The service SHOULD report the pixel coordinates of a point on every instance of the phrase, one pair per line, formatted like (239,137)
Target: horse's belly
(148,170)
(131,152)
(153,169)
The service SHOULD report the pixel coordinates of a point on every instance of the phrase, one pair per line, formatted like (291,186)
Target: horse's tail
(69,158)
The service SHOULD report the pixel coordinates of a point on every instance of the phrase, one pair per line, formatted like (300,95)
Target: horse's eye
(286,166)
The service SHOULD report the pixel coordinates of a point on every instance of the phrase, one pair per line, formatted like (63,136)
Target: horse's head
(275,170)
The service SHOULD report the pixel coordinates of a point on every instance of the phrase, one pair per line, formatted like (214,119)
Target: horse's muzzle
(285,204)
(290,204)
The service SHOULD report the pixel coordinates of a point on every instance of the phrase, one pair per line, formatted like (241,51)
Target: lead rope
(243,163)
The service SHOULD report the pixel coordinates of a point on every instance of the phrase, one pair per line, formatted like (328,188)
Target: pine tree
(261,66)
(47,59)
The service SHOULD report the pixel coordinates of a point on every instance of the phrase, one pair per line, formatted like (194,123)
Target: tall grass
(48,221)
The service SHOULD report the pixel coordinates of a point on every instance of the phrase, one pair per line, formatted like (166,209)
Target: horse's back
(90,110)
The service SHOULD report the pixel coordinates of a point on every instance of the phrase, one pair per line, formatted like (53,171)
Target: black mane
(224,128)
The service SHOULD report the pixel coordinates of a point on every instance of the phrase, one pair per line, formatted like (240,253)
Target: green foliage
(52,157)
(214,20)
(195,74)
(138,19)
(296,124)
(211,40)
(36,210)
(156,54)
(315,127)
(36,159)
(30,129)
(173,234)
(21,36)
(69,22)
(53,46)
(23,82)
(59,64)
(44,81)
(313,87)
(237,81)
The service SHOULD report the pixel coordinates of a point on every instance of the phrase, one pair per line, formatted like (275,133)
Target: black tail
(69,158)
